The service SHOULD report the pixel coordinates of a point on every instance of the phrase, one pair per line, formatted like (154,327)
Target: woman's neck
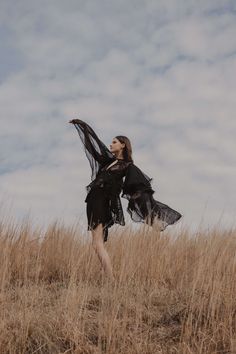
(119,157)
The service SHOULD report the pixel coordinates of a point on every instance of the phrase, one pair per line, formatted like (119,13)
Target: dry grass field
(173,294)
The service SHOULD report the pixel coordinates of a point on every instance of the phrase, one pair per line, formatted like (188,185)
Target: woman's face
(116,146)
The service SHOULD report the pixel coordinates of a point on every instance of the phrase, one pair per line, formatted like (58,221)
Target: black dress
(103,193)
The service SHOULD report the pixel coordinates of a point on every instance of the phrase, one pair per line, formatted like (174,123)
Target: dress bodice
(110,177)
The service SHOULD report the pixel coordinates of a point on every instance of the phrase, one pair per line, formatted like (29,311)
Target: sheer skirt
(98,210)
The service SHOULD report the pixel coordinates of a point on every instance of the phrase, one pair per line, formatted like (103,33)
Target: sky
(161,72)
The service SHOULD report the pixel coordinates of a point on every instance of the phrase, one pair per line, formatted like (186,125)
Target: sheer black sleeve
(96,151)
(142,206)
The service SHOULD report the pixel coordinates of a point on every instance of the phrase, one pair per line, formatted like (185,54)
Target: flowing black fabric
(142,206)
(103,193)
(97,152)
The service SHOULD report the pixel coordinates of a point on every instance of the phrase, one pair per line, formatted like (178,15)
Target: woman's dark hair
(127,151)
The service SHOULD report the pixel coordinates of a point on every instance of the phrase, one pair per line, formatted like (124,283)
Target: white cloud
(158,72)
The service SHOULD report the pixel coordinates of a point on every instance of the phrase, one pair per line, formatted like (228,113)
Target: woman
(113,172)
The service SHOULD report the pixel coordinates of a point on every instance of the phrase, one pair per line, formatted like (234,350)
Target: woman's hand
(73,121)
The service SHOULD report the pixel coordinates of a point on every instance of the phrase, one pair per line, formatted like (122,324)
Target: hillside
(172,294)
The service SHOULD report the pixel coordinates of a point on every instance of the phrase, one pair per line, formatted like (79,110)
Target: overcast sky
(161,72)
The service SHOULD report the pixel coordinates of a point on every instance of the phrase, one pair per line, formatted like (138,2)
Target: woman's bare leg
(98,245)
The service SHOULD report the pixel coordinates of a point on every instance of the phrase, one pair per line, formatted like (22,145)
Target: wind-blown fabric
(96,151)
(123,177)
(142,206)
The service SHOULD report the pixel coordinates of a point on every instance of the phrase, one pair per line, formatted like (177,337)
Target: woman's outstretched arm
(96,151)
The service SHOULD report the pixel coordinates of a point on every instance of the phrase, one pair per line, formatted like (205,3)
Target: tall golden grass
(173,294)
